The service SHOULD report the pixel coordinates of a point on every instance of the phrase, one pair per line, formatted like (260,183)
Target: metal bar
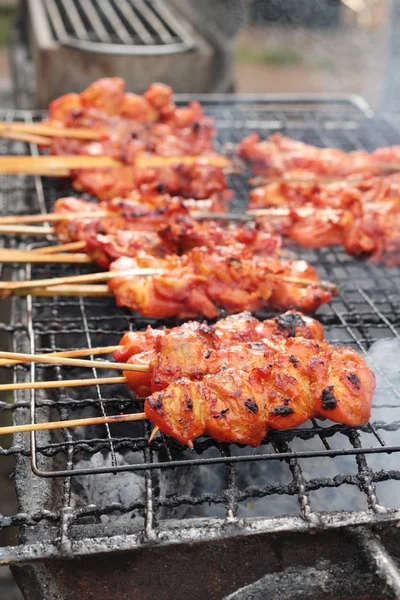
(291,99)
(90,10)
(75,18)
(172,21)
(98,390)
(379,559)
(147,12)
(56,20)
(126,9)
(108,10)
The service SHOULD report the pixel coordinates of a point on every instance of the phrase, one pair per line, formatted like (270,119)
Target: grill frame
(146,14)
(66,520)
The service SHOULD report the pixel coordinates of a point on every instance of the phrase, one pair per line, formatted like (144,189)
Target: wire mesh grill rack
(320,475)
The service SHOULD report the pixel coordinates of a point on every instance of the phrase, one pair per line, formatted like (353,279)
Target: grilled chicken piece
(145,212)
(279,155)
(363,217)
(203,282)
(295,194)
(132,125)
(189,181)
(132,229)
(184,233)
(193,349)
(304,379)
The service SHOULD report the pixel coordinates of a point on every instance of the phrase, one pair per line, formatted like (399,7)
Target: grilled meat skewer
(239,406)
(203,282)
(132,125)
(364,218)
(240,377)
(283,156)
(186,350)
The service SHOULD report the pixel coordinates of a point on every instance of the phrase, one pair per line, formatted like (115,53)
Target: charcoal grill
(69,43)
(312,514)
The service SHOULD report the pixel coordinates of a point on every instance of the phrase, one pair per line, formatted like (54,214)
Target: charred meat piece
(204,283)
(239,405)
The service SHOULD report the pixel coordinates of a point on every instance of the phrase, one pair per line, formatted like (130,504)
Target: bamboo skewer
(20,256)
(44,129)
(11,429)
(59,165)
(88,291)
(153,434)
(54,217)
(10,286)
(74,362)
(44,385)
(197,215)
(154,161)
(69,354)
(26,229)
(51,165)
(27,288)
(60,248)
(28,138)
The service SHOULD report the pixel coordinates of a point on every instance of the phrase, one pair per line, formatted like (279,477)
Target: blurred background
(307,46)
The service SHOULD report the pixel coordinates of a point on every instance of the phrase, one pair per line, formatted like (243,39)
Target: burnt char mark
(156,403)
(281,411)
(354,379)
(295,361)
(328,399)
(251,405)
(161,188)
(222,414)
(189,404)
(206,329)
(289,321)
(207,354)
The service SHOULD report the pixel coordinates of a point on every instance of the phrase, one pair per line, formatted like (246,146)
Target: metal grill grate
(128,26)
(301,467)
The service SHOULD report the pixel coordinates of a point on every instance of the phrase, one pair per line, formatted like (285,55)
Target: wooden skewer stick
(29,138)
(58,165)
(148,162)
(197,215)
(20,256)
(69,354)
(88,291)
(44,129)
(44,385)
(9,286)
(60,248)
(74,362)
(39,165)
(26,229)
(54,217)
(153,434)
(73,423)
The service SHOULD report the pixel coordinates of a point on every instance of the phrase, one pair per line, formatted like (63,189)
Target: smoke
(383,359)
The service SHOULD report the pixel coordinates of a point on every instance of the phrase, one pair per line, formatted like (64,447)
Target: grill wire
(298,466)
